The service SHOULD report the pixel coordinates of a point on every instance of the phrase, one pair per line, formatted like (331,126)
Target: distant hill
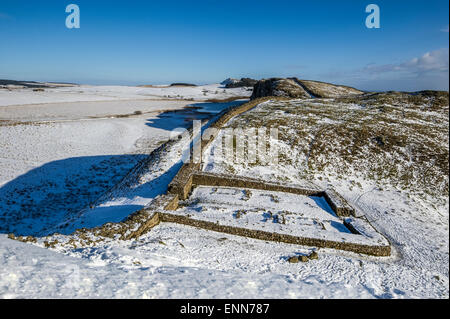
(235,83)
(183,84)
(32,84)
(296,88)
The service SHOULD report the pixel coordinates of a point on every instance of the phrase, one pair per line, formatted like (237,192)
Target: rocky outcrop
(182,84)
(228,81)
(279,87)
(327,90)
(235,83)
(295,88)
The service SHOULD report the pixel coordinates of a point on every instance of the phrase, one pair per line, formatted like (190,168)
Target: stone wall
(189,176)
(289,239)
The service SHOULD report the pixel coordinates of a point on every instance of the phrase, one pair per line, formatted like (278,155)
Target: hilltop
(296,88)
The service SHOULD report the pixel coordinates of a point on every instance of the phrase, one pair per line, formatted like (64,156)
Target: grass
(393,138)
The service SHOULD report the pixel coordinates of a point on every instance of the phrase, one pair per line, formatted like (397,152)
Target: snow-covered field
(61,160)
(274,212)
(86,93)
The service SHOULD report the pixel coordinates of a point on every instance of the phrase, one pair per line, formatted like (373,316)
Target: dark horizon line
(105,83)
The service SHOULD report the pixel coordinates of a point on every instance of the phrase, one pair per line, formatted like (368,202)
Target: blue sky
(205,41)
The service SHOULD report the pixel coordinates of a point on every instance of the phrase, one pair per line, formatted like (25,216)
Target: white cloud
(431,62)
(445,29)
(427,72)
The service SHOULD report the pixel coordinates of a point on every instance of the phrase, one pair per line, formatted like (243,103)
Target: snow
(416,227)
(57,159)
(158,271)
(86,93)
(58,150)
(275,212)
(174,261)
(70,111)
(49,169)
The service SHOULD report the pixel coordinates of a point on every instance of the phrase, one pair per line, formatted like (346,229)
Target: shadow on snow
(54,193)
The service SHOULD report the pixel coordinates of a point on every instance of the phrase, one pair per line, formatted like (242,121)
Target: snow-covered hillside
(388,155)
(60,161)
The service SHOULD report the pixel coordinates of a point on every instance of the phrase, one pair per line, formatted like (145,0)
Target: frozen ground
(77,111)
(86,93)
(413,215)
(178,261)
(58,158)
(274,212)
(203,265)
